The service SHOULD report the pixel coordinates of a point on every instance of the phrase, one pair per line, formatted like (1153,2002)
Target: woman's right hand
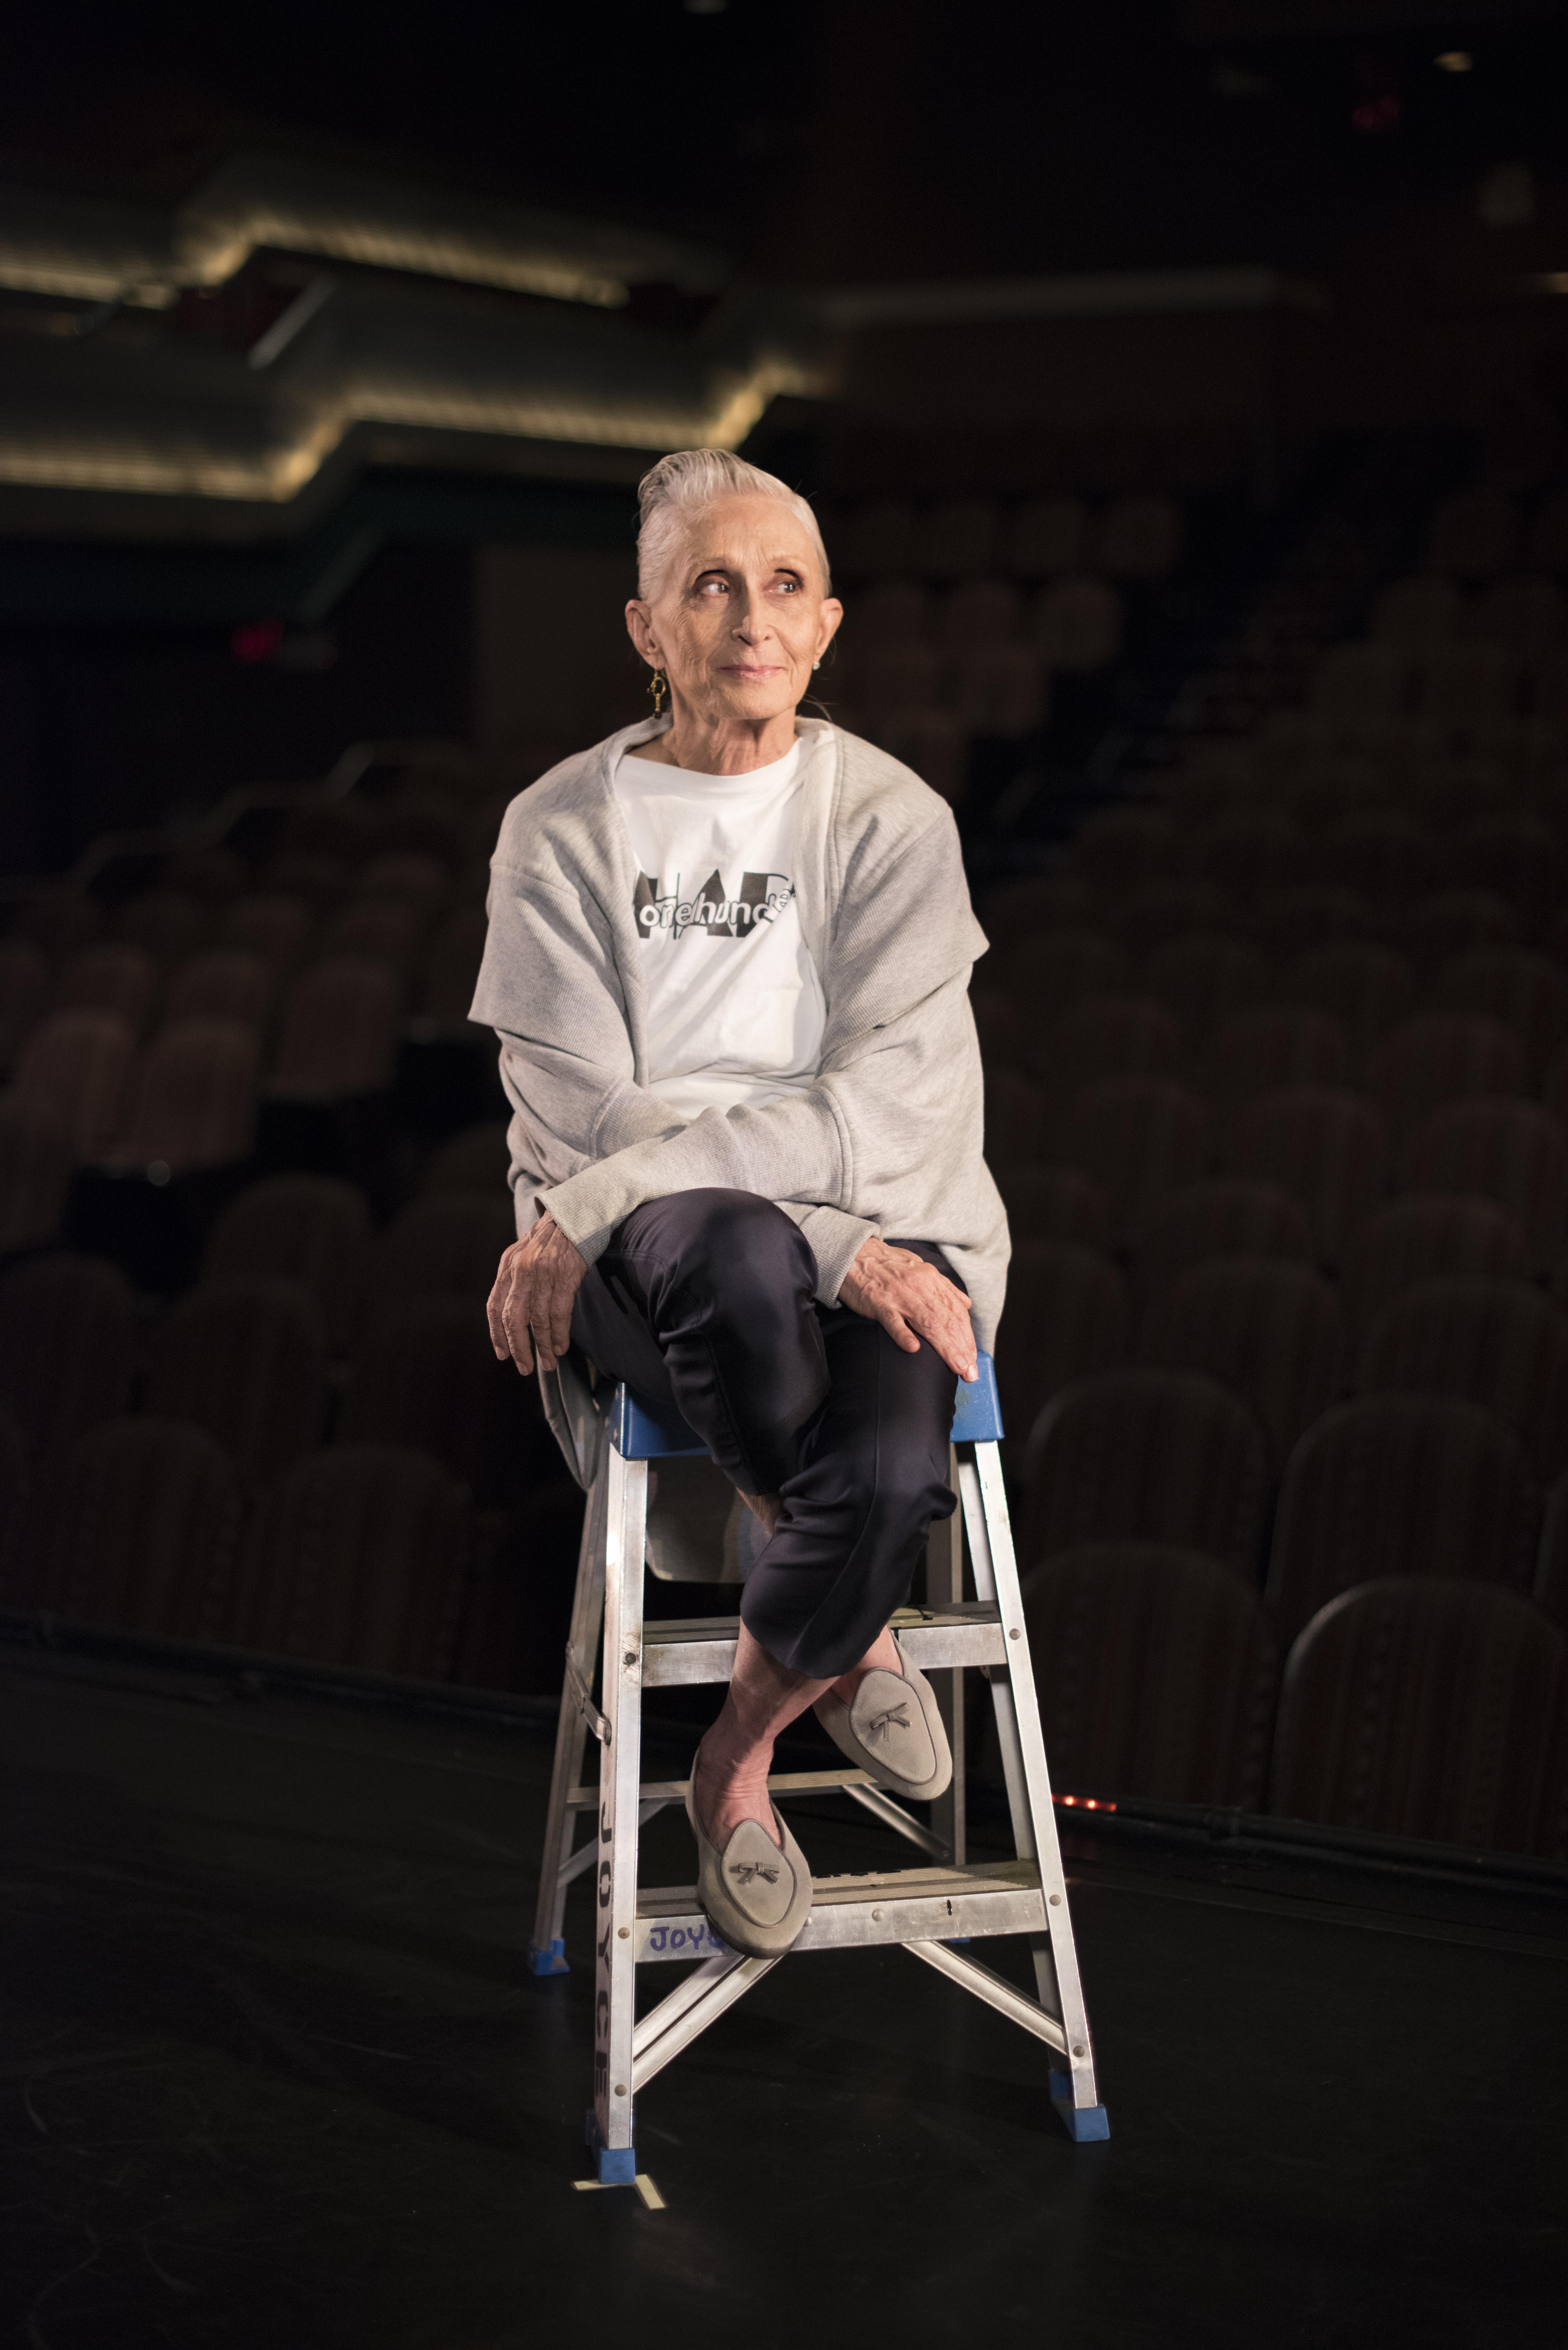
(529,1307)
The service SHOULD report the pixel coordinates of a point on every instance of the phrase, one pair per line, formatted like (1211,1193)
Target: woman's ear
(639,629)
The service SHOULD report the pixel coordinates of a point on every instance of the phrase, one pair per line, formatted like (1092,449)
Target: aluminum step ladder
(928,1910)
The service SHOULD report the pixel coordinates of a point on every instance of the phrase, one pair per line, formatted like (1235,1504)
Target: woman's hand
(537,1281)
(912,1301)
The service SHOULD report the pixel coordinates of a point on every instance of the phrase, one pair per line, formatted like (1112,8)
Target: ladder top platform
(643,1428)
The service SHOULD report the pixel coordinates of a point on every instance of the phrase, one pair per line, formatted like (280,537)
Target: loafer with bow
(893,1730)
(755,1896)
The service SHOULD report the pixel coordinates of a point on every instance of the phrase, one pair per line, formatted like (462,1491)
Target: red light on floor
(257,641)
(1083,1803)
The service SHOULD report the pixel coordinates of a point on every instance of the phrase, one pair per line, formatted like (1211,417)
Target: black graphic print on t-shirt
(762,897)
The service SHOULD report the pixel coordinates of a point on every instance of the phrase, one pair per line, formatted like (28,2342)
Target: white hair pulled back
(684,482)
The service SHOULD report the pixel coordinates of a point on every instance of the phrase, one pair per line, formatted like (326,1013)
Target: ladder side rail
(1025,1842)
(546,1952)
(944,1586)
(615,1927)
(1056,1967)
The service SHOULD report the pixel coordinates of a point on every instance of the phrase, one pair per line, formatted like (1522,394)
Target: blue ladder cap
(643,1428)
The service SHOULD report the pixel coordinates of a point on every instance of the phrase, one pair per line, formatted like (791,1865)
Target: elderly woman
(728,961)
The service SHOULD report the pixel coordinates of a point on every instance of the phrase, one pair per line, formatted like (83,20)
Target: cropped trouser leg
(707,1298)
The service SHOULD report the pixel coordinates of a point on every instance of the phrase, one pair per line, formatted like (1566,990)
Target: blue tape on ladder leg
(550,1961)
(977,1413)
(617,2166)
(1084,2124)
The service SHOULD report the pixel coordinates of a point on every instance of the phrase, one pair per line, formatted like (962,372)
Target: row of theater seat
(1277,1075)
(1136,537)
(147,1035)
(362,1554)
(293,1282)
(1408,1706)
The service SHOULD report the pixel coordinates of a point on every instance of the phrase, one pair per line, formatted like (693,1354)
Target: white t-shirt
(735,1007)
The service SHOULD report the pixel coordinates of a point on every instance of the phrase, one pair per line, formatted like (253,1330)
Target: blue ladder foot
(614,2165)
(552,1961)
(1083,2124)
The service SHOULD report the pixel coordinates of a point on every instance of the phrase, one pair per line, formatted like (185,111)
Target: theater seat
(339,1031)
(1218,1218)
(310,1229)
(1498,1344)
(165,922)
(1420,1706)
(135,1531)
(477,1159)
(108,977)
(35,1160)
(447,1245)
(1123,848)
(1438,1059)
(1155,1669)
(1274,1044)
(1324,1145)
(269,923)
(195,1102)
(1448,923)
(247,1359)
(1139,1139)
(1067,1314)
(1511,1152)
(1055,1204)
(1399,1484)
(75,1073)
(1365,988)
(16,1497)
(1269,1330)
(1050,973)
(1102,1036)
(223,984)
(425,1376)
(67,1337)
(24,992)
(1204,977)
(1527,991)
(1422,1238)
(358,1559)
(1149,1456)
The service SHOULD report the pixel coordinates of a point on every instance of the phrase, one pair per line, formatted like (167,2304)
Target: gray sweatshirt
(888,1139)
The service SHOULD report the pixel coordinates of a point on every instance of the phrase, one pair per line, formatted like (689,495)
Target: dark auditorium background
(1182,388)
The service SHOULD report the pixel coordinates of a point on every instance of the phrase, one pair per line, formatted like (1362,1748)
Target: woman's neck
(720,746)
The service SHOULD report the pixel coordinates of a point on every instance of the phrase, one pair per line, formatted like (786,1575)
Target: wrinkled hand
(529,1307)
(912,1301)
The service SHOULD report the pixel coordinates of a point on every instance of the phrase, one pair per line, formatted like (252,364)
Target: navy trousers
(707,1298)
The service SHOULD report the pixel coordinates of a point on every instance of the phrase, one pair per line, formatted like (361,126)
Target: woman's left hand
(529,1307)
(912,1301)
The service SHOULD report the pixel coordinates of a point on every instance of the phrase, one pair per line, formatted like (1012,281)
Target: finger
(495,1312)
(561,1302)
(941,1328)
(517,1312)
(896,1326)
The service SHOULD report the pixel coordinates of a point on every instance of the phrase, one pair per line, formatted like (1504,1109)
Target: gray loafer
(894,1730)
(755,1897)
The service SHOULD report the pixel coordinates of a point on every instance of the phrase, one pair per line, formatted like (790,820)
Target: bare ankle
(882,1655)
(767,1509)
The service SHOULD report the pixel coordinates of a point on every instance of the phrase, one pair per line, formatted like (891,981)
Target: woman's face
(739,617)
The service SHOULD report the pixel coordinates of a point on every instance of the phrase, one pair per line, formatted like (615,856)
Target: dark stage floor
(274,2076)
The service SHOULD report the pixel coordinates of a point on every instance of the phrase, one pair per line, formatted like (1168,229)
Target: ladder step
(906,1905)
(702,1647)
(780,1783)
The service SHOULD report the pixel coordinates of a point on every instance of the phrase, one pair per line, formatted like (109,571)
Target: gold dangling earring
(659,686)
